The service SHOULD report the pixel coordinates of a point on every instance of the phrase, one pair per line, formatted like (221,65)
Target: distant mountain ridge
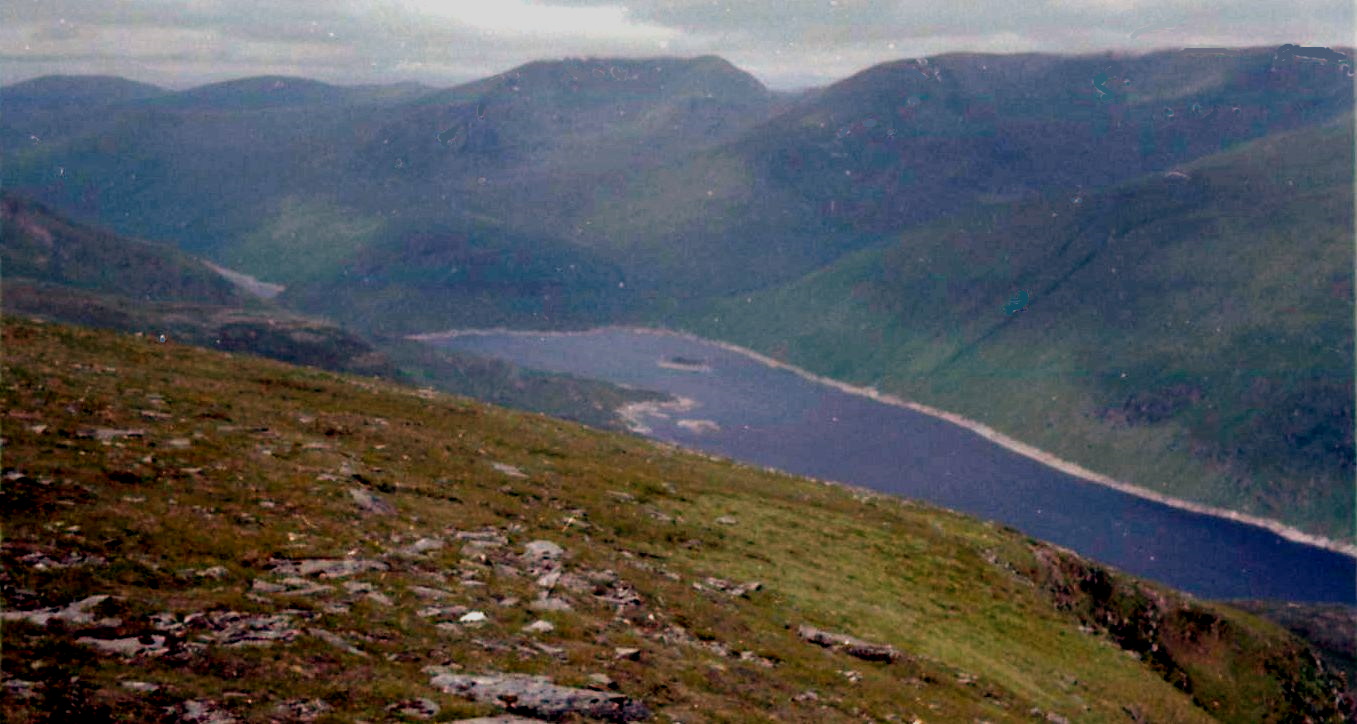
(572,193)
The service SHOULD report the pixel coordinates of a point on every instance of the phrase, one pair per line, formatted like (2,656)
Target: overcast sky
(786,43)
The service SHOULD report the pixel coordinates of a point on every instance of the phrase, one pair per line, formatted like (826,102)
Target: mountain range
(1181,224)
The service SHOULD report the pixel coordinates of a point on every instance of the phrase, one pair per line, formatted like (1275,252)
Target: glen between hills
(213,536)
(914,199)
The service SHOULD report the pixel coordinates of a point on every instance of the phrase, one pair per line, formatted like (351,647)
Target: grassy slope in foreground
(1189,335)
(182,481)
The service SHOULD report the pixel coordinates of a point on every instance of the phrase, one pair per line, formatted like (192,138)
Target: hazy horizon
(787,46)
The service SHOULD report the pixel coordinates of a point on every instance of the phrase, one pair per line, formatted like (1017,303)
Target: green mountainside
(199,536)
(685,177)
(60,270)
(1188,332)
(1180,223)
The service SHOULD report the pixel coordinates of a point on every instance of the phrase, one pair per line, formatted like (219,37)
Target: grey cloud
(786,43)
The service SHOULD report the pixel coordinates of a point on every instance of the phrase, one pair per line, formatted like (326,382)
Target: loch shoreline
(1074,470)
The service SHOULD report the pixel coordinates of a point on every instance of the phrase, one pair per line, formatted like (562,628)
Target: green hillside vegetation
(1189,332)
(206,535)
(59,270)
(685,176)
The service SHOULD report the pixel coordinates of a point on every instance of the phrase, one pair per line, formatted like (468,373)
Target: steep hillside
(912,141)
(201,536)
(60,270)
(685,176)
(1190,332)
(40,245)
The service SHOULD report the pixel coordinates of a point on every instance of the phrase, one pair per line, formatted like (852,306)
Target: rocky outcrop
(849,645)
(536,696)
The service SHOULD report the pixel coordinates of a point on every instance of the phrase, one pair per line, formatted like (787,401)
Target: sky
(787,44)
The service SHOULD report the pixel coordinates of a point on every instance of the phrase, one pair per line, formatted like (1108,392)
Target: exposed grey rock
(625,653)
(107,434)
(144,687)
(726,520)
(441,612)
(261,586)
(213,572)
(539,627)
(426,592)
(420,547)
(542,550)
(78,612)
(300,710)
(42,561)
(537,696)
(485,535)
(148,645)
(415,708)
(21,689)
(550,603)
(200,712)
(290,586)
(232,629)
(498,720)
(850,645)
(724,586)
(509,470)
(602,680)
(336,641)
(371,503)
(328,567)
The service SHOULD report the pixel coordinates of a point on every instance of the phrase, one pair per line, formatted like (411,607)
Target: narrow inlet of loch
(745,410)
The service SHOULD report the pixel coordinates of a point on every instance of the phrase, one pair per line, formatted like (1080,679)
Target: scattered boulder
(431,593)
(498,720)
(21,689)
(370,503)
(415,708)
(420,547)
(850,645)
(108,434)
(441,612)
(327,567)
(724,586)
(542,550)
(199,712)
(77,612)
(216,573)
(232,629)
(148,645)
(300,710)
(290,586)
(628,654)
(539,627)
(42,561)
(727,520)
(537,696)
(509,470)
(336,641)
(550,603)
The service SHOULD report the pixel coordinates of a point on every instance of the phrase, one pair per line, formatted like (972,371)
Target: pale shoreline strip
(1281,529)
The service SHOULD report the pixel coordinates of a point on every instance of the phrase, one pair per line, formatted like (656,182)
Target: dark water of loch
(773,417)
